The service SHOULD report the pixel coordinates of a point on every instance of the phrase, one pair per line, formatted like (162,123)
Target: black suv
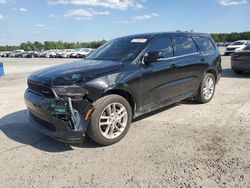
(121,80)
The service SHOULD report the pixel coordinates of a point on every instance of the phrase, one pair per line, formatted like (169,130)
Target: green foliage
(230,37)
(9,48)
(49,45)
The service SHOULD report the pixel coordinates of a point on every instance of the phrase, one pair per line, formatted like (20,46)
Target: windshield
(247,48)
(77,50)
(238,43)
(82,50)
(119,49)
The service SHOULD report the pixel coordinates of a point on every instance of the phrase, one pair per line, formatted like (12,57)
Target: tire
(97,132)
(238,71)
(200,96)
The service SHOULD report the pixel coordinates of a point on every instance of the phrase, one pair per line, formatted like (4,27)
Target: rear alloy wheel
(206,90)
(111,120)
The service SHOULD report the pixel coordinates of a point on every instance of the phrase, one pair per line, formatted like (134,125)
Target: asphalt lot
(184,145)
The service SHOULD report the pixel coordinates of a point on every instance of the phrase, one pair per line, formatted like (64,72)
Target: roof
(150,35)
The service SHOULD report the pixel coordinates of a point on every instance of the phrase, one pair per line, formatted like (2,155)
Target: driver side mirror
(152,57)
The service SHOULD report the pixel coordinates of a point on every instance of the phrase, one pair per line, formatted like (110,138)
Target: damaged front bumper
(65,119)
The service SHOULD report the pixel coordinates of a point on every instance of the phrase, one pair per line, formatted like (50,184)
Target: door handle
(173,66)
(203,59)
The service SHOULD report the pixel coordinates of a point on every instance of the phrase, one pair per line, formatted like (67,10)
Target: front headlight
(70,91)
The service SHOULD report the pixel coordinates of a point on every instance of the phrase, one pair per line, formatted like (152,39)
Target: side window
(184,45)
(247,48)
(163,45)
(205,44)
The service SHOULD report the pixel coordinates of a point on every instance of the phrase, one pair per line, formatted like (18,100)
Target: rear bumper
(241,65)
(44,117)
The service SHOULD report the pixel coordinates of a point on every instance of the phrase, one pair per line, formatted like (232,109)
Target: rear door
(189,63)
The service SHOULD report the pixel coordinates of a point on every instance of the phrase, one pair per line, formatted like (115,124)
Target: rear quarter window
(205,44)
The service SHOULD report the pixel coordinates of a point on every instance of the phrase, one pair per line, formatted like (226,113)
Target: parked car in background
(44,54)
(121,80)
(19,53)
(13,53)
(65,53)
(227,44)
(240,61)
(81,53)
(236,46)
(36,54)
(221,44)
(91,51)
(75,52)
(47,54)
(9,54)
(30,54)
(53,53)
(3,54)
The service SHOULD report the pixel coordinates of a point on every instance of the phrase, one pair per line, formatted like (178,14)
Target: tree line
(49,45)
(230,37)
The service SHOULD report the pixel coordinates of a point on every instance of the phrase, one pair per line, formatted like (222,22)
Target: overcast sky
(87,20)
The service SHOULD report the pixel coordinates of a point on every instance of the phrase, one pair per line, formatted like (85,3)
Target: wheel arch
(209,70)
(213,72)
(125,93)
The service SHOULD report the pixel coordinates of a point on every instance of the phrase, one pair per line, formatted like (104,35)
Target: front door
(160,78)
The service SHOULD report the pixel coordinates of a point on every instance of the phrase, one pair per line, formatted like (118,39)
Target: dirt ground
(184,145)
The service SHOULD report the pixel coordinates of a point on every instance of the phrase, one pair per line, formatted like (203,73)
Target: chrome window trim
(175,57)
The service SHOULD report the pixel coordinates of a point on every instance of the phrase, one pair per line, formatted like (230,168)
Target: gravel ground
(184,145)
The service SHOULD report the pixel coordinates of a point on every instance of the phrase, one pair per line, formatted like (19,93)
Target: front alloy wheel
(111,120)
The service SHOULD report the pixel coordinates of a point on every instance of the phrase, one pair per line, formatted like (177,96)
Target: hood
(71,73)
(236,46)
